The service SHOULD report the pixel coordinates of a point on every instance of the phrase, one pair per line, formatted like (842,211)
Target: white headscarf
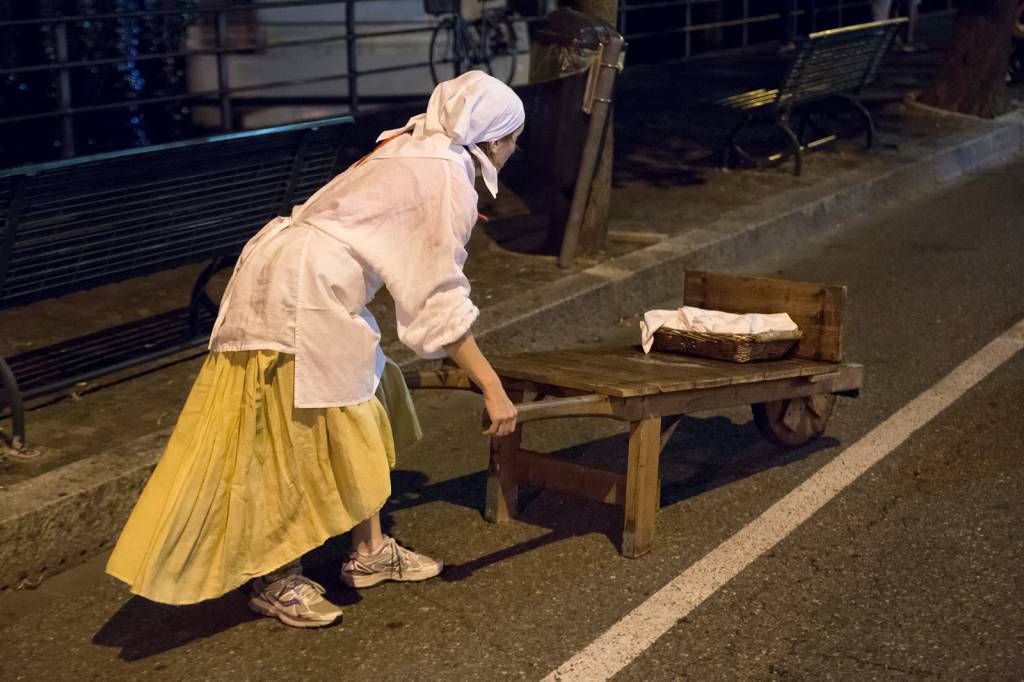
(473,108)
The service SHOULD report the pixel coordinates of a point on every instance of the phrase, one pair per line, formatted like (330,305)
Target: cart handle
(590,405)
(577,406)
(445,377)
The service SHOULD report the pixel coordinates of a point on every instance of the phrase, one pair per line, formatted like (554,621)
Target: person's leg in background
(905,40)
(880,9)
(909,44)
(786,21)
(792,24)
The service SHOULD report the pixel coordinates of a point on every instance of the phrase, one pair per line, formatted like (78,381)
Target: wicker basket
(732,347)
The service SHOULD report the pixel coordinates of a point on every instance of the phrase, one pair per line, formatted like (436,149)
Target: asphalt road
(914,571)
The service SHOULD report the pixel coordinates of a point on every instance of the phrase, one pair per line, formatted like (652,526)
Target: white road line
(634,634)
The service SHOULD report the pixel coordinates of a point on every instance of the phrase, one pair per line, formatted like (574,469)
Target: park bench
(827,69)
(72,225)
(792,398)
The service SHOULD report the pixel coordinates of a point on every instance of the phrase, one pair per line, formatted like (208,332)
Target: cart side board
(817,309)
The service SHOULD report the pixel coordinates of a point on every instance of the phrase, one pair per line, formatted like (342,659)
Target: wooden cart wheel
(794,421)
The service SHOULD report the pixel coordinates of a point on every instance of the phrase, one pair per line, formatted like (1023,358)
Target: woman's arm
(502,412)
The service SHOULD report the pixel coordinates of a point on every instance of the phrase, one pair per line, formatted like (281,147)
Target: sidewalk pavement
(65,498)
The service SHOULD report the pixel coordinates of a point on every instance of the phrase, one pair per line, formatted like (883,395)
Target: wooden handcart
(792,398)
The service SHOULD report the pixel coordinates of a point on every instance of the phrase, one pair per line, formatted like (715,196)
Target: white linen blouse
(400,219)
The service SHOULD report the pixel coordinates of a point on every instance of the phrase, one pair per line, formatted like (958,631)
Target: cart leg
(502,486)
(641,487)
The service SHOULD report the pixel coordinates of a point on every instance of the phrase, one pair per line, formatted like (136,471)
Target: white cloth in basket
(689,318)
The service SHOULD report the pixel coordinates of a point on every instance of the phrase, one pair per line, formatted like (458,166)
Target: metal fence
(655,29)
(748,21)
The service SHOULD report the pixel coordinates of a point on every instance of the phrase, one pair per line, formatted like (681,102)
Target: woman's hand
(500,409)
(501,412)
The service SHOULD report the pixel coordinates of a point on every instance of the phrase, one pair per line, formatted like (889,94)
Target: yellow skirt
(249,483)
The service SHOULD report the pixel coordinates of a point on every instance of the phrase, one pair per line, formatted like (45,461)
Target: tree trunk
(973,73)
(594,230)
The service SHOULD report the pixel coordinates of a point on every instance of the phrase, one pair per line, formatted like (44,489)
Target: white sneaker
(390,562)
(293,599)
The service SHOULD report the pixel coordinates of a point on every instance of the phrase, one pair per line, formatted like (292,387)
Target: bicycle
(458,44)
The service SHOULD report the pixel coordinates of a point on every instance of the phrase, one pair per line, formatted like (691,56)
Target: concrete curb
(60,519)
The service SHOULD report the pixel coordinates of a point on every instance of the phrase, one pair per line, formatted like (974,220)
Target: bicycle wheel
(443,60)
(498,46)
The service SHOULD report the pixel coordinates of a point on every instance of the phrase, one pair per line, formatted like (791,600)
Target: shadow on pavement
(410,489)
(704,454)
(584,519)
(707,453)
(142,628)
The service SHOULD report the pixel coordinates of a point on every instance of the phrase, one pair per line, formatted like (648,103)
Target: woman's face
(504,148)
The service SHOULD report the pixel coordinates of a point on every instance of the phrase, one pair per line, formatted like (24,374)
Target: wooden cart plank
(849,377)
(629,371)
(535,388)
(560,368)
(625,372)
(584,370)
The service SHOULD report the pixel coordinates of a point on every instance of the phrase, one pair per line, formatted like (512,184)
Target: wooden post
(220,26)
(597,142)
(502,485)
(641,487)
(67,125)
(352,81)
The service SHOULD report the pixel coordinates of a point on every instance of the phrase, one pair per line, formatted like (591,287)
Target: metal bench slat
(45,370)
(73,198)
(276,159)
(88,225)
(148,176)
(43,244)
(119,259)
(200,187)
(29,291)
(829,62)
(241,219)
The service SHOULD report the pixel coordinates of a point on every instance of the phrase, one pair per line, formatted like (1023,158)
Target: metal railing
(223,94)
(684,29)
(745,19)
